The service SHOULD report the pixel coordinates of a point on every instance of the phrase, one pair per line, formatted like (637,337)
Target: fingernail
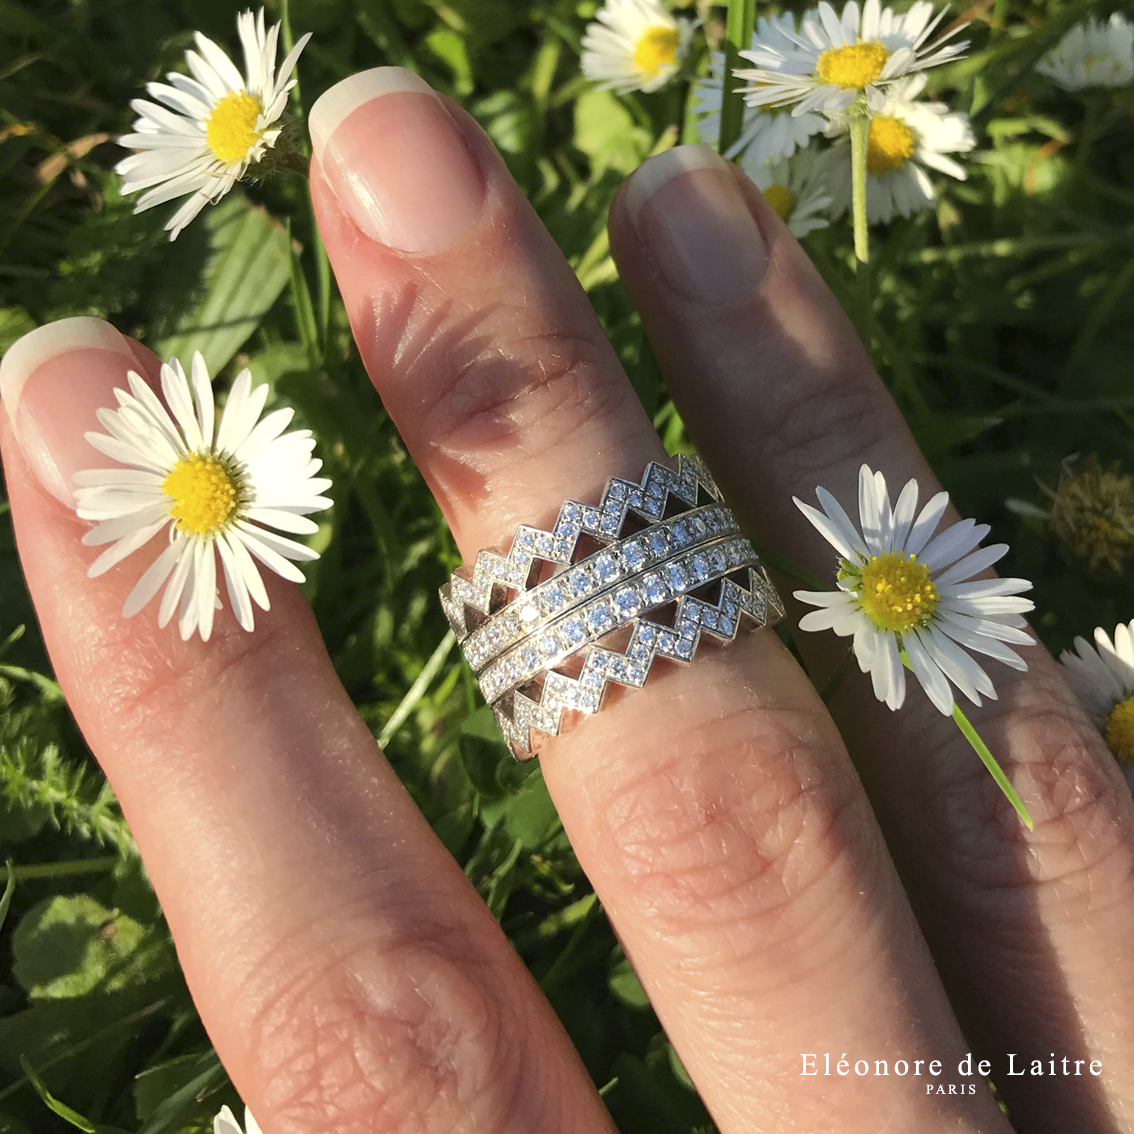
(696,225)
(53,381)
(396,160)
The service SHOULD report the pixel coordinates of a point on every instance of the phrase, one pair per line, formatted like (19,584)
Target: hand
(349,976)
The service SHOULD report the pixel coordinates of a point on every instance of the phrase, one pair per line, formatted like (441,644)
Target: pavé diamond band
(530,621)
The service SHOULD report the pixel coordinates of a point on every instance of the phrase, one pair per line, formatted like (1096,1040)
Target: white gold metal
(520,632)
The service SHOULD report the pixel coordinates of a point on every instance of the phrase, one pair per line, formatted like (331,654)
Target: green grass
(1005,331)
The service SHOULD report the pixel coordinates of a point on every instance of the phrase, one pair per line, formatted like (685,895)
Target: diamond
(700,528)
(548,646)
(678,577)
(573,632)
(526,660)
(717,560)
(627,601)
(606,567)
(600,618)
(528,614)
(580,581)
(659,544)
(655,590)
(552,599)
(700,566)
(633,555)
(682,532)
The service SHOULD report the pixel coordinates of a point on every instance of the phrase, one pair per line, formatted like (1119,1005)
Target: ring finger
(1031,927)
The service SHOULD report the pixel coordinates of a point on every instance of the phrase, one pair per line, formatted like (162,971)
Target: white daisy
(904,586)
(1092,54)
(225,1123)
(905,137)
(634,45)
(1103,677)
(831,62)
(215,487)
(796,189)
(767,133)
(205,129)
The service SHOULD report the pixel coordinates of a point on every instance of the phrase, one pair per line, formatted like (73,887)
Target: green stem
(859,137)
(38,870)
(986,757)
(418,689)
(1088,132)
(989,761)
(738,37)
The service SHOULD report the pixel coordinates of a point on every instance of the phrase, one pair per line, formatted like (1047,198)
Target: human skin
(351,979)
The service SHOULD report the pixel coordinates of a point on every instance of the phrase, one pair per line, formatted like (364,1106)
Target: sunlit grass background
(1005,328)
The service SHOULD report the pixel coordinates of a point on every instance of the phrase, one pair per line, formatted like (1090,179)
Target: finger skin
(350,977)
(714,810)
(1032,930)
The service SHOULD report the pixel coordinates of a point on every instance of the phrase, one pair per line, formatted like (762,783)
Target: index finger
(349,975)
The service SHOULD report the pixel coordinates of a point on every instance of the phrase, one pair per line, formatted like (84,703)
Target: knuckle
(405,1038)
(747,828)
(161,678)
(825,424)
(538,390)
(1082,846)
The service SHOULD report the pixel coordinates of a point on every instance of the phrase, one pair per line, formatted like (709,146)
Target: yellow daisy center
(854,66)
(205,492)
(230,129)
(656,49)
(889,145)
(896,591)
(1120,730)
(781,199)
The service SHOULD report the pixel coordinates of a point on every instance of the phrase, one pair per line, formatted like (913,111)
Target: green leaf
(177,1109)
(14,323)
(65,1112)
(528,816)
(6,898)
(154,1086)
(69,946)
(452,50)
(605,131)
(246,265)
(624,983)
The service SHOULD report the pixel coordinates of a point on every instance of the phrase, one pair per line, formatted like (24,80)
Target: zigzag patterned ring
(478,590)
(525,720)
(693,564)
(600,573)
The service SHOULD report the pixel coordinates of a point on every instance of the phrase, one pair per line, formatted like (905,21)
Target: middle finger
(715,809)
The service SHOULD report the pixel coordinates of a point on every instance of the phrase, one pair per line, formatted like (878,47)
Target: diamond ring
(550,624)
